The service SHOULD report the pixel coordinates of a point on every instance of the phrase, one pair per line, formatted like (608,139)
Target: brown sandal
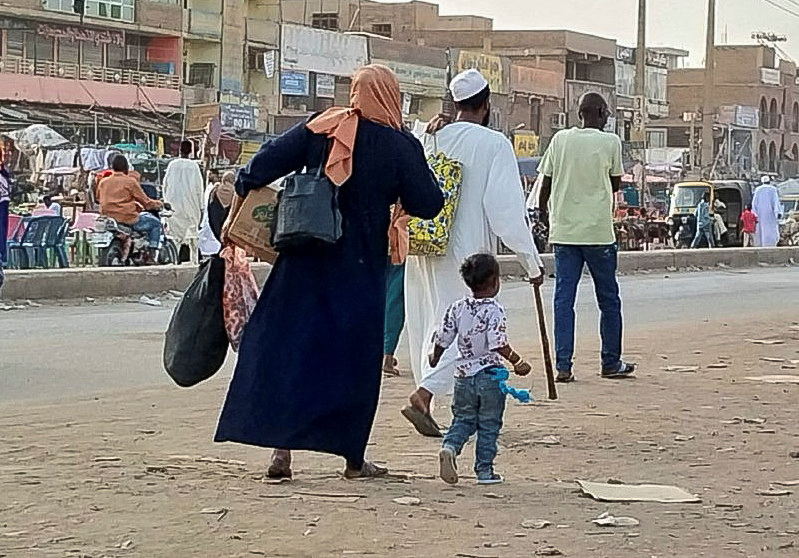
(368,471)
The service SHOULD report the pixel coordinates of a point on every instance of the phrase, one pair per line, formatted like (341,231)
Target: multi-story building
(755,112)
(113,75)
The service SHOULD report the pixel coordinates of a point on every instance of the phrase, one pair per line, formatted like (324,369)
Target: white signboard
(770,76)
(269,63)
(326,86)
(406,103)
(321,51)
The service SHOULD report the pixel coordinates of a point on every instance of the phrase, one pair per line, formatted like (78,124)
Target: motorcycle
(119,245)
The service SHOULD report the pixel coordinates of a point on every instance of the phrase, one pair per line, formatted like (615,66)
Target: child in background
(479,325)
(749,223)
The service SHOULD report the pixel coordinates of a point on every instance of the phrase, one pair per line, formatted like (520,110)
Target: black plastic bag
(196,341)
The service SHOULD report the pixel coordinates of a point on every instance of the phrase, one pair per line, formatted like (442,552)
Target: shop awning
(21,115)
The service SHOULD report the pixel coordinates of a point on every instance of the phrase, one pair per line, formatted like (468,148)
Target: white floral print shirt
(480,327)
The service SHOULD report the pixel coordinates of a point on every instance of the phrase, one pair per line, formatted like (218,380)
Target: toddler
(479,325)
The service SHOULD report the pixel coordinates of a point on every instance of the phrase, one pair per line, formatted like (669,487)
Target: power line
(784,8)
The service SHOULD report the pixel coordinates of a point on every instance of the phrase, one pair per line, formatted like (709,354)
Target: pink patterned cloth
(239,295)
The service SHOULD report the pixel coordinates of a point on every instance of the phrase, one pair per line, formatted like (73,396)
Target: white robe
(491,205)
(208,244)
(183,190)
(766,207)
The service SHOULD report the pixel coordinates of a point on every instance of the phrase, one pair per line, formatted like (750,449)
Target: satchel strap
(325,157)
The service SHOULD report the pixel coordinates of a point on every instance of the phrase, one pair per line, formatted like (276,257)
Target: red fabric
(749,221)
(239,295)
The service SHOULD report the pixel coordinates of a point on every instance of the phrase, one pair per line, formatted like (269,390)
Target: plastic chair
(51,249)
(24,253)
(81,250)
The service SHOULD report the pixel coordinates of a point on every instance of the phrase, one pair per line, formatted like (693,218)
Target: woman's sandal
(390,368)
(368,471)
(280,468)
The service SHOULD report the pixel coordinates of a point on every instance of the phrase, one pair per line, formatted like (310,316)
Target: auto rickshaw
(733,196)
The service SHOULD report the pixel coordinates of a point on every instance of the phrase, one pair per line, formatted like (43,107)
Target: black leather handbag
(307,213)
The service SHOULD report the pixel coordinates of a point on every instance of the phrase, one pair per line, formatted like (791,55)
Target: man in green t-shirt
(582,168)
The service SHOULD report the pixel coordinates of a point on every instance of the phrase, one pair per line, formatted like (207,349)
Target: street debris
(548,551)
(776,379)
(772,359)
(147,301)
(665,494)
(681,368)
(407,501)
(773,492)
(718,366)
(765,341)
(608,520)
(786,483)
(535,524)
(548,441)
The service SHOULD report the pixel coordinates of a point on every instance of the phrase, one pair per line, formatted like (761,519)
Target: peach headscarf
(375,96)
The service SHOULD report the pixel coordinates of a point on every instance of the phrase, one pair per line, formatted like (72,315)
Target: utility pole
(708,141)
(639,122)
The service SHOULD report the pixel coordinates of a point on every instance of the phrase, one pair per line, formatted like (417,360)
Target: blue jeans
(477,406)
(149,225)
(602,262)
(706,232)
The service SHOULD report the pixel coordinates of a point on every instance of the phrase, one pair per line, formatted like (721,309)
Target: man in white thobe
(491,206)
(766,207)
(183,190)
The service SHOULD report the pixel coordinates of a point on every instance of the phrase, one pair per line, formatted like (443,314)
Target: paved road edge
(77,283)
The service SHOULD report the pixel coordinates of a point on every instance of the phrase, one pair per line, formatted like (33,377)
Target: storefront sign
(770,76)
(406,103)
(294,83)
(198,116)
(238,117)
(525,144)
(83,34)
(489,65)
(270,60)
(322,51)
(627,56)
(434,79)
(544,83)
(325,86)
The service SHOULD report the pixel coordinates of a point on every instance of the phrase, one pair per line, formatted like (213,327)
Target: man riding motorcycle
(122,199)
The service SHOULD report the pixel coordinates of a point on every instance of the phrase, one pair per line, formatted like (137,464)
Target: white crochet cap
(467,84)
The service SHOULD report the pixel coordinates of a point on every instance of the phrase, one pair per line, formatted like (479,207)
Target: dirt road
(132,472)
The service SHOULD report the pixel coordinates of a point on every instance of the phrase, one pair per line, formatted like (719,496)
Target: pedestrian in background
(704,223)
(219,198)
(308,374)
(748,226)
(582,169)
(767,209)
(395,288)
(183,190)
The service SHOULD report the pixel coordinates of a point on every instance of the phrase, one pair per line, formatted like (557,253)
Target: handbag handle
(325,156)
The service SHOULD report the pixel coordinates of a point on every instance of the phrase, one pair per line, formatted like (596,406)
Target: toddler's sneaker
(448,469)
(493,478)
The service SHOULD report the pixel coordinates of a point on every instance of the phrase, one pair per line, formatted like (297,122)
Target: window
(765,121)
(15,43)
(91,54)
(579,71)
(656,138)
(115,55)
(325,21)
(796,118)
(255,59)
(775,115)
(383,29)
(43,49)
(201,74)
(763,159)
(68,51)
(122,10)
(772,157)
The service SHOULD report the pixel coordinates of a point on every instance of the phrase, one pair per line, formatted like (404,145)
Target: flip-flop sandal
(368,471)
(424,423)
(391,372)
(278,469)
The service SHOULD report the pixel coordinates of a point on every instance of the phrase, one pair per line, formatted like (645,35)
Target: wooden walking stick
(542,329)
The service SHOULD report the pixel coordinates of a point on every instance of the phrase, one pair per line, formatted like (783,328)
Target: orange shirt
(121,198)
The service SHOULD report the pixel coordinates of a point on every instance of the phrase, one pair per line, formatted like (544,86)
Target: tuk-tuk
(733,195)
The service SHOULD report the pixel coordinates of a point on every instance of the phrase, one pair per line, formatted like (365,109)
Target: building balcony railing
(63,70)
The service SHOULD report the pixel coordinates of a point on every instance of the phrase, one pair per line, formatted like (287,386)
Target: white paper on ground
(637,493)
(776,379)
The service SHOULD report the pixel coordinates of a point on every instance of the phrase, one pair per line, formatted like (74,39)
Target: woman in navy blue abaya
(309,367)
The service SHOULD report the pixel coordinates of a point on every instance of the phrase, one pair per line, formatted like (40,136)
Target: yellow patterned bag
(430,237)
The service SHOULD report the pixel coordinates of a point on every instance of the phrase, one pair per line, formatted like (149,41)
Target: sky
(676,23)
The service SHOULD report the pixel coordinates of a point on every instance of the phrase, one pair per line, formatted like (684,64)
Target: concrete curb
(78,283)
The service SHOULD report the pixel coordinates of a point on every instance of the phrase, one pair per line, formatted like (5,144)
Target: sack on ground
(196,341)
(430,237)
(240,293)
